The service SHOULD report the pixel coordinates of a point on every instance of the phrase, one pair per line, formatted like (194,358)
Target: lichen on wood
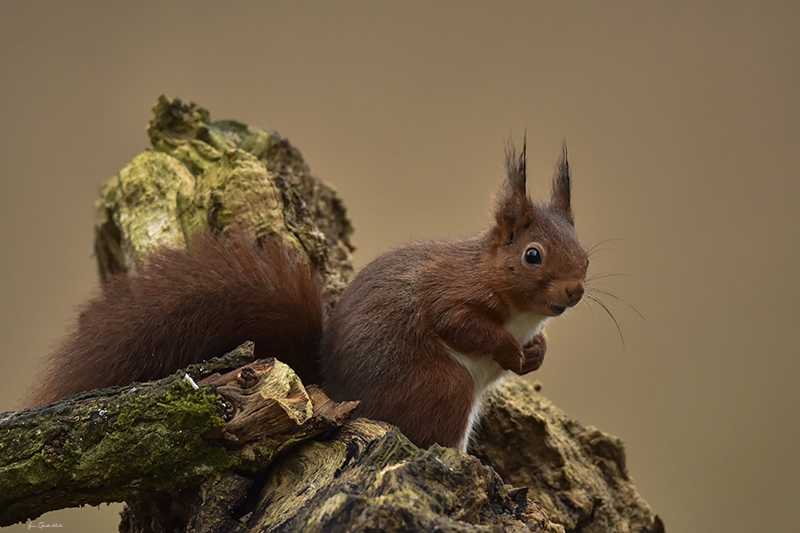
(368,477)
(577,472)
(364,477)
(252,449)
(205,176)
(127,442)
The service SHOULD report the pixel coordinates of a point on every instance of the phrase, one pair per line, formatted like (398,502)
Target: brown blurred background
(683,128)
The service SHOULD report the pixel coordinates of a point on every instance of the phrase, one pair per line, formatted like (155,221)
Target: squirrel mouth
(556,309)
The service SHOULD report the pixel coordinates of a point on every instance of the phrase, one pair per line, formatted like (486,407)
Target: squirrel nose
(574,293)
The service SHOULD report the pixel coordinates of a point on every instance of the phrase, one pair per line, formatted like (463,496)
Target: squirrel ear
(560,197)
(514,207)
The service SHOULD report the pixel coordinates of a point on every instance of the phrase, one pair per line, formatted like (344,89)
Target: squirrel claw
(534,354)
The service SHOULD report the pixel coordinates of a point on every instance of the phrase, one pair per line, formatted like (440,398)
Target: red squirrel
(419,336)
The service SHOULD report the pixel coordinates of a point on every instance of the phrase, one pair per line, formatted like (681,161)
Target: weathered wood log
(127,442)
(368,477)
(364,477)
(577,473)
(204,176)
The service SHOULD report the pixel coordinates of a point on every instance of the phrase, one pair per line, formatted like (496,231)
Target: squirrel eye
(533,256)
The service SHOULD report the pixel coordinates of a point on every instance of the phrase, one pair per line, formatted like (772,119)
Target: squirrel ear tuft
(560,197)
(516,177)
(514,207)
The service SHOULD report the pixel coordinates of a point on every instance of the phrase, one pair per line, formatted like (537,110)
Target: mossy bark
(127,442)
(204,176)
(216,466)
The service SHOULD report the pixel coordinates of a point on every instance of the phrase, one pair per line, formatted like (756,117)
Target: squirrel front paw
(512,357)
(534,354)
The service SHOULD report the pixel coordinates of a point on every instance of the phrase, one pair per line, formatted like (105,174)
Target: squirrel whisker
(602,276)
(607,310)
(418,351)
(593,249)
(611,295)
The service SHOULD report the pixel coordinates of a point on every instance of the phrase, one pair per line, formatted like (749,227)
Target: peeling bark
(252,449)
(577,473)
(205,176)
(127,442)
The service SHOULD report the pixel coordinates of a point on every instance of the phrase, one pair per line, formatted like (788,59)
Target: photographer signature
(42,525)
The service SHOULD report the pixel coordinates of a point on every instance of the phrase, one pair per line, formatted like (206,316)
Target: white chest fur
(525,326)
(486,372)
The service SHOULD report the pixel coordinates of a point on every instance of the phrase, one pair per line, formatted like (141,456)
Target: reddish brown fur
(382,346)
(388,338)
(185,308)
(393,340)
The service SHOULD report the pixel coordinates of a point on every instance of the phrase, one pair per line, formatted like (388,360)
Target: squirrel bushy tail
(186,307)
(419,337)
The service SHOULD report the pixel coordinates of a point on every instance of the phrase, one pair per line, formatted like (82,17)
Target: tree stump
(239,445)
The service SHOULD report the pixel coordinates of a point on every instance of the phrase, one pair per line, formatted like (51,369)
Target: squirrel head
(536,262)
